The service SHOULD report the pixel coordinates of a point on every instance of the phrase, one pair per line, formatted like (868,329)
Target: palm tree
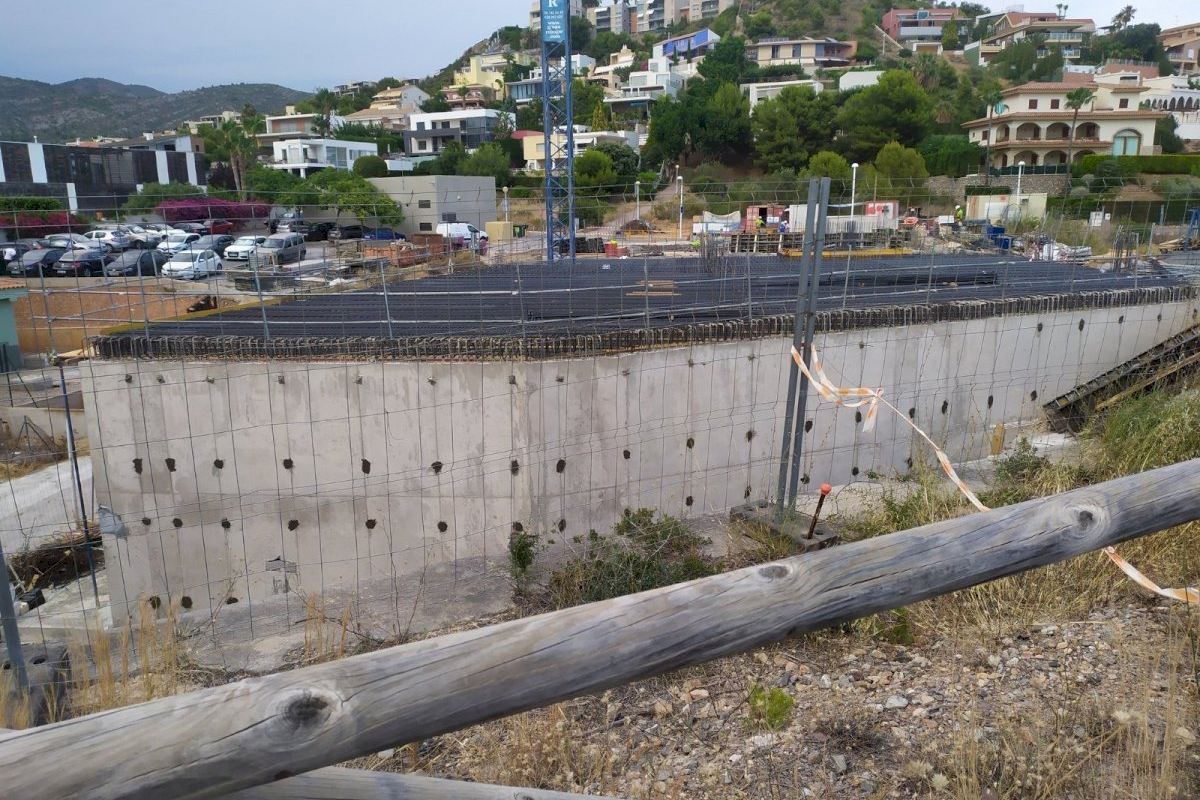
(992,98)
(1122,19)
(1076,100)
(925,69)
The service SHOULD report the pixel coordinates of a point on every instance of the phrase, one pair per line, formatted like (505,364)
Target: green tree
(625,162)
(790,127)
(903,170)
(600,120)
(725,129)
(669,133)
(1165,136)
(949,37)
(435,104)
(828,164)
(581,34)
(952,155)
(233,142)
(450,159)
(587,97)
(278,186)
(530,115)
(894,109)
(370,167)
(760,25)
(1122,19)
(346,192)
(726,63)
(489,159)
(1076,99)
(594,171)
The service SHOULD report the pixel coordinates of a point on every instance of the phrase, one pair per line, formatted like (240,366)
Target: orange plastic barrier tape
(873,398)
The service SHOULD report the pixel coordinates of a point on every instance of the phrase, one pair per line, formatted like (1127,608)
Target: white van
(461,230)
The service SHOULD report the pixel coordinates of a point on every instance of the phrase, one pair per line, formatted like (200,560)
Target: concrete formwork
(245,481)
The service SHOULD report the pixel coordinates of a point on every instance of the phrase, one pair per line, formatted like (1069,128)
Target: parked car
(191,227)
(386,234)
(192,265)
(80,263)
(177,240)
(137,262)
(212,226)
(12,251)
(347,232)
(243,247)
(74,241)
(215,242)
(36,262)
(115,238)
(280,248)
(311,231)
(145,236)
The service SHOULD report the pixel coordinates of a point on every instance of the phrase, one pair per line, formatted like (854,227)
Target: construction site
(398,437)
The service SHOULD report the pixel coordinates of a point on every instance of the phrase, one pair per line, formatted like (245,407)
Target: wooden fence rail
(215,741)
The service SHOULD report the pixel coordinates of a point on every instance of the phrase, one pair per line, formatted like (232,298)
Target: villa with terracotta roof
(1033,124)
(1050,29)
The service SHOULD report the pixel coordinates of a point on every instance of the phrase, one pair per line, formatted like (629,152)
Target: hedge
(1173,164)
(10,204)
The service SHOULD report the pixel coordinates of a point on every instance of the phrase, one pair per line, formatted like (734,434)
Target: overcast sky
(302,44)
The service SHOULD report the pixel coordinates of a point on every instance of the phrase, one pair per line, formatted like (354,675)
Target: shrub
(522,551)
(642,553)
(9,204)
(770,708)
(370,167)
(1177,164)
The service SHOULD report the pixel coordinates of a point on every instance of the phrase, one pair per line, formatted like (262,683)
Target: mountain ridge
(91,106)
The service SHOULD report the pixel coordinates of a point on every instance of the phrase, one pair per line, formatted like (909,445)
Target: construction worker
(958,214)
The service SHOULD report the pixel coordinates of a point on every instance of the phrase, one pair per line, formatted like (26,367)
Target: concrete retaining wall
(245,481)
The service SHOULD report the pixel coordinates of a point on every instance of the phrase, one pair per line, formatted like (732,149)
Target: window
(1032,104)
(423,204)
(983,136)
(1054,103)
(1123,103)
(426,226)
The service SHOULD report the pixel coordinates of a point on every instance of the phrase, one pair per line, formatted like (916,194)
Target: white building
(292,125)
(647,85)
(534,145)
(1036,127)
(769,90)
(391,108)
(302,156)
(428,133)
(859,79)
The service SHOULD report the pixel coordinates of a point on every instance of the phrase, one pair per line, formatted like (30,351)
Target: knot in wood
(305,710)
(1087,518)
(774,572)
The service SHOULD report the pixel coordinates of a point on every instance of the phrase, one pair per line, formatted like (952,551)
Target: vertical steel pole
(810,331)
(12,634)
(785,454)
(71,451)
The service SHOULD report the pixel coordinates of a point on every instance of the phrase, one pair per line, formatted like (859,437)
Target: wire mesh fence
(370,441)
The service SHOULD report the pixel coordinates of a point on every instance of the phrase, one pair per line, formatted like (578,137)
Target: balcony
(924,32)
(1060,37)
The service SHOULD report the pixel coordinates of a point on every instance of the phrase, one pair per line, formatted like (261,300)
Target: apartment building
(687,46)
(390,108)
(918,29)
(697,10)
(645,86)
(613,16)
(655,16)
(1034,124)
(427,134)
(1052,30)
(353,87)
(304,156)
(805,52)
(1182,44)
(535,12)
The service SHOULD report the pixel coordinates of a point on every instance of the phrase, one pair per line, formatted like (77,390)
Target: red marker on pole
(812,527)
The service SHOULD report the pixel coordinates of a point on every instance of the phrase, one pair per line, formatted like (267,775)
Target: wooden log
(218,740)
(337,783)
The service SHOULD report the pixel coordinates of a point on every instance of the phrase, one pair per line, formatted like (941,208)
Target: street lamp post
(506,204)
(637,199)
(853,185)
(679,180)
(1020,172)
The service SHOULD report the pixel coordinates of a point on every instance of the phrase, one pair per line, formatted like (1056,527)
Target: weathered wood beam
(215,741)
(336,783)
